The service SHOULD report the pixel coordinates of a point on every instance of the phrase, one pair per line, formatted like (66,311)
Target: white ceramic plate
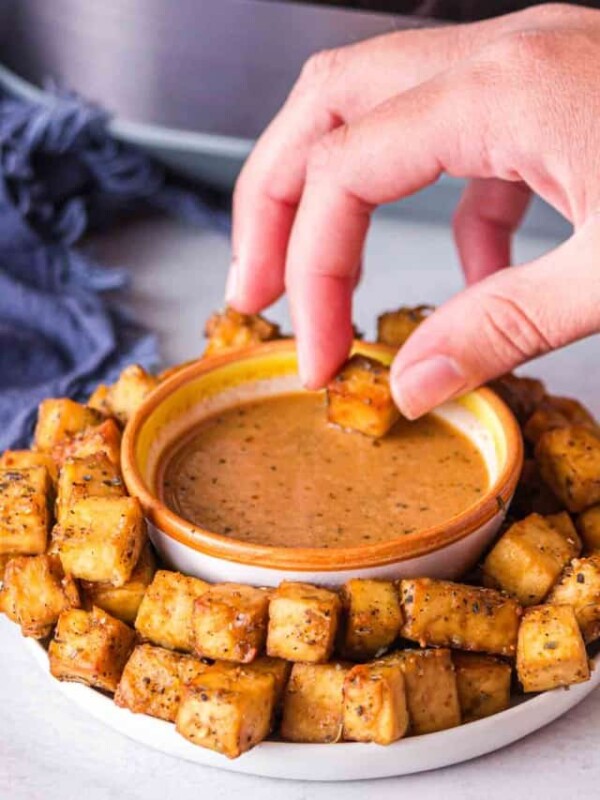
(345,761)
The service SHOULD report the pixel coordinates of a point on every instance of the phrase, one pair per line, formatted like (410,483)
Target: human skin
(513,104)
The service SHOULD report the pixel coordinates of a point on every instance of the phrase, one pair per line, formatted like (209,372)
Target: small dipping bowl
(208,386)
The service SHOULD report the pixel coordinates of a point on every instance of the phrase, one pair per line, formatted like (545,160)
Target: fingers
(489,212)
(501,322)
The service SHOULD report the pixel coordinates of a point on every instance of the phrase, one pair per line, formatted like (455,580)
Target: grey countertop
(50,748)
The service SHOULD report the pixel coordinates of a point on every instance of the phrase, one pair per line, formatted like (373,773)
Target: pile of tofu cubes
(230,664)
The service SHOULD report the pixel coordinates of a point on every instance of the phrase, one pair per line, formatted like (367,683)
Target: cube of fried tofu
(24,510)
(230,622)
(102,539)
(229,710)
(313,703)
(60,419)
(588,527)
(533,495)
(153,681)
(375,705)
(431,689)
(579,587)
(394,327)
(90,647)
(92,476)
(445,614)
(521,395)
(98,400)
(277,667)
(569,462)
(24,459)
(123,602)
(4,559)
(359,397)
(372,617)
(229,330)
(303,622)
(165,613)
(557,412)
(483,685)
(129,392)
(35,592)
(551,651)
(104,438)
(528,558)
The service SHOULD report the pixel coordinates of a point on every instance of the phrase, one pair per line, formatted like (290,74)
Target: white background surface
(50,749)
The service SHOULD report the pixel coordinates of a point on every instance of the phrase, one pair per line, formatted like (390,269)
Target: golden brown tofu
(129,392)
(104,438)
(102,539)
(431,690)
(24,459)
(98,400)
(359,397)
(229,711)
(303,621)
(230,622)
(372,618)
(521,395)
(528,558)
(483,685)
(4,559)
(551,651)
(24,510)
(123,602)
(588,526)
(60,419)
(579,587)
(532,495)
(90,647)
(35,592)
(445,614)
(313,703)
(569,462)
(277,667)
(165,613)
(394,327)
(229,330)
(80,478)
(375,706)
(557,412)
(153,680)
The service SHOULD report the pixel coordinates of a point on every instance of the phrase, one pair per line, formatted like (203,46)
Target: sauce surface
(275,472)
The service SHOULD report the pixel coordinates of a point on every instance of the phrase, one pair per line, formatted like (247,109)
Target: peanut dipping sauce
(275,472)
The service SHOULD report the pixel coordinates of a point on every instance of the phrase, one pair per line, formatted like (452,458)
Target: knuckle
(321,66)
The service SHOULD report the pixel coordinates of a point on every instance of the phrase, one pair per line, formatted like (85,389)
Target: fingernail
(231,286)
(427,384)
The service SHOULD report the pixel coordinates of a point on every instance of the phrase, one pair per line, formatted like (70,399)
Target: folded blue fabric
(60,174)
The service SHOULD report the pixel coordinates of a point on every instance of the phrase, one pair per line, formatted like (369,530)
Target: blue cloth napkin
(60,174)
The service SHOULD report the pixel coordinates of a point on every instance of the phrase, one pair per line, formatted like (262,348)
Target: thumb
(501,322)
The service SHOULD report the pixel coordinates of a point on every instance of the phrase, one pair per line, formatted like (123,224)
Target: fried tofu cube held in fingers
(551,650)
(229,710)
(165,614)
(528,558)
(588,526)
(569,462)
(129,392)
(372,617)
(90,647)
(123,602)
(230,622)
(375,707)
(303,622)
(394,327)
(483,685)
(153,681)
(579,587)
(445,614)
(102,539)
(230,330)
(35,592)
(92,476)
(521,395)
(431,689)
(60,419)
(24,459)
(359,398)
(25,499)
(313,703)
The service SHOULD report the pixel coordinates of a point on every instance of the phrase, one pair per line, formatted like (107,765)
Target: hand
(512,103)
